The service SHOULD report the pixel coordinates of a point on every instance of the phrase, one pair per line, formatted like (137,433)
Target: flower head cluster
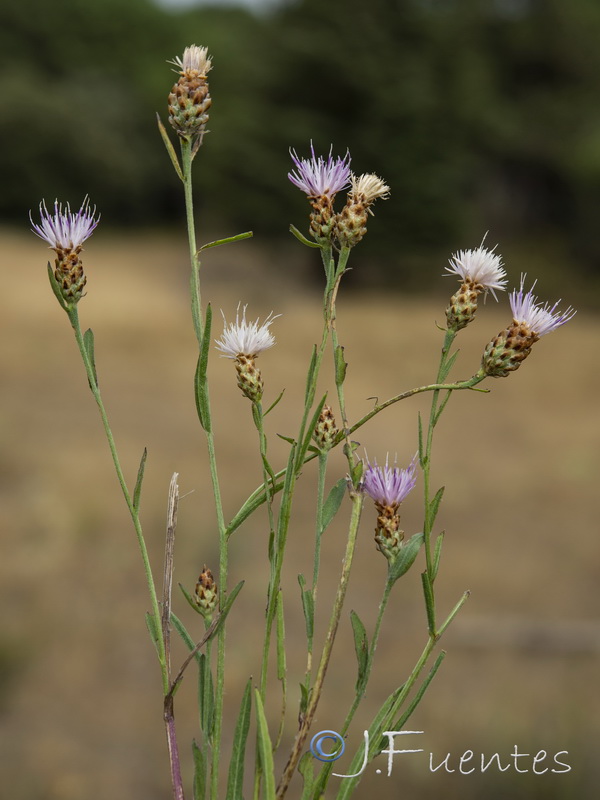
(243,341)
(318,177)
(65,230)
(540,319)
(481,267)
(388,486)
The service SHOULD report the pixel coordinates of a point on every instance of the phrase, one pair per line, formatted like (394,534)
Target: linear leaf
(199,772)
(308,607)
(405,558)
(435,504)
(332,504)
(311,373)
(170,149)
(88,341)
(274,403)
(56,288)
(361,645)
(183,632)
(306,769)
(309,433)
(138,483)
(152,629)
(429,602)
(265,749)
(190,599)
(340,365)
(252,503)
(235,778)
(200,380)
(218,242)
(437,553)
(206,696)
(301,237)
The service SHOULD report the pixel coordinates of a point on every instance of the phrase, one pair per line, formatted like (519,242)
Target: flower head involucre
(64,230)
(317,177)
(480,267)
(242,338)
(388,486)
(539,319)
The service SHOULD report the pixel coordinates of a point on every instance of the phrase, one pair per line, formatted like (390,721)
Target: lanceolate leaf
(88,341)
(406,557)
(235,779)
(199,772)
(333,503)
(361,645)
(265,749)
(200,379)
(140,477)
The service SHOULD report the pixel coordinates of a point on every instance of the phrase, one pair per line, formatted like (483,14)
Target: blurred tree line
(478,113)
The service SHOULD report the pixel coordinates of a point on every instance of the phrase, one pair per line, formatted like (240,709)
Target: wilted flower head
(539,319)
(64,230)
(317,177)
(351,222)
(480,267)
(367,188)
(389,486)
(195,61)
(245,338)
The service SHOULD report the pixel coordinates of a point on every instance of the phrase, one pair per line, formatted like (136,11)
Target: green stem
(306,720)
(89,368)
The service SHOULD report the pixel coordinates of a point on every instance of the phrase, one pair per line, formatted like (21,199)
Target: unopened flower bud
(190,99)
(531,321)
(206,594)
(325,429)
(351,222)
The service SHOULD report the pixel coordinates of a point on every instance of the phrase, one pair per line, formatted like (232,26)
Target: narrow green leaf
(206,697)
(235,778)
(419,694)
(281,665)
(287,439)
(448,366)
(218,242)
(140,477)
(442,406)
(361,645)
(421,449)
(185,636)
(199,772)
(306,769)
(357,472)
(200,380)
(56,289)
(190,599)
(88,341)
(302,238)
(309,432)
(435,504)
(304,697)
(429,602)
(252,503)
(340,365)
(265,749)
(272,406)
(152,629)
(437,553)
(332,504)
(308,607)
(170,149)
(227,608)
(405,558)
(311,373)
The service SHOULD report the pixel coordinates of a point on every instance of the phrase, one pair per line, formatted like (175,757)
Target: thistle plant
(277,759)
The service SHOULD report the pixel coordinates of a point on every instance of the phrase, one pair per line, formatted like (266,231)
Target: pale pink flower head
(243,338)
(318,177)
(481,267)
(388,486)
(63,229)
(539,319)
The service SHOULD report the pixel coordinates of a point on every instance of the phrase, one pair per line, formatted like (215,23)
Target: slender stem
(89,368)
(197,318)
(306,720)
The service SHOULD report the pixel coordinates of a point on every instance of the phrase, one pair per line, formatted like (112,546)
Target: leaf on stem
(434,505)
(437,553)
(199,772)
(419,695)
(405,558)
(281,666)
(170,149)
(302,238)
(361,645)
(332,504)
(272,406)
(235,778)
(200,380)
(306,769)
(88,343)
(265,749)
(429,602)
(138,483)
(311,373)
(252,503)
(309,433)
(56,289)
(153,630)
(448,366)
(206,696)
(340,365)
(190,599)
(421,451)
(218,242)
(308,607)
(185,636)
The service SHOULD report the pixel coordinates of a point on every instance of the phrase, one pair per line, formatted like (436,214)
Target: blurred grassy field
(79,689)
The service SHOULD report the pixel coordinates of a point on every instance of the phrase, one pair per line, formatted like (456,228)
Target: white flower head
(539,319)
(480,266)
(64,229)
(368,188)
(242,338)
(195,61)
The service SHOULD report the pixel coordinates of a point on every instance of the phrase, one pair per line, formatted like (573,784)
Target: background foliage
(479,113)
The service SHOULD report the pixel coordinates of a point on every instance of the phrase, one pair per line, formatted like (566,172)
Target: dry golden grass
(80,702)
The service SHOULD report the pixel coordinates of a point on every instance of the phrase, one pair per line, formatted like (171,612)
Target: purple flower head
(539,319)
(317,177)
(65,230)
(387,485)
